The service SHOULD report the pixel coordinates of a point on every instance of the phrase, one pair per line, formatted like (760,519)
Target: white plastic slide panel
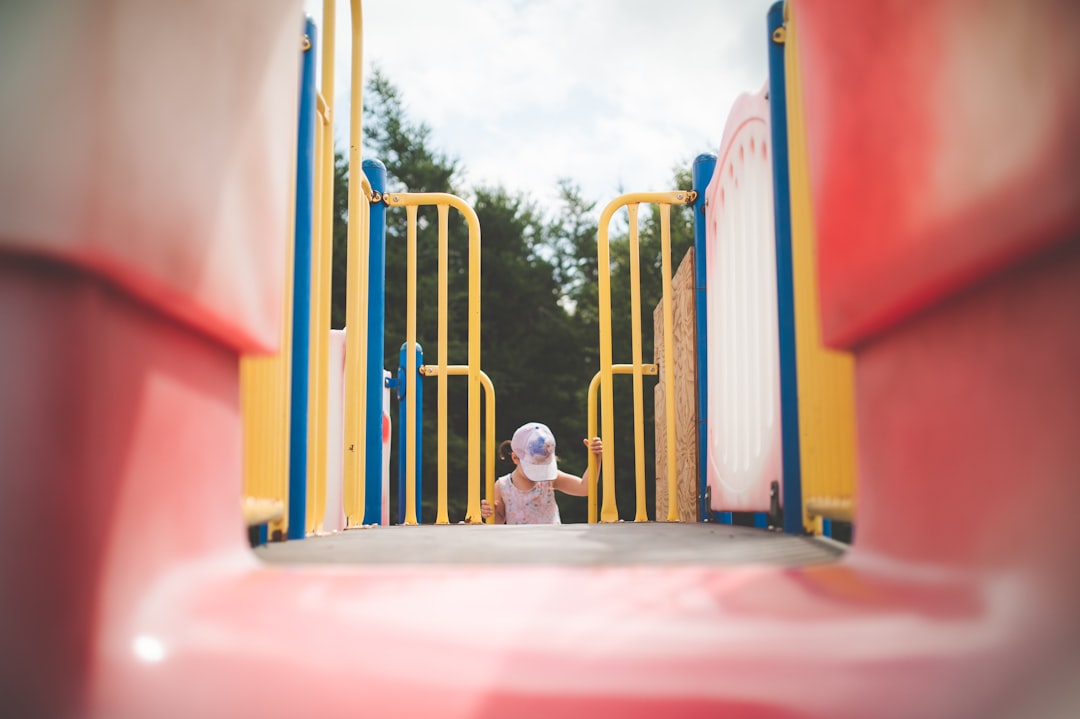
(334,520)
(744,442)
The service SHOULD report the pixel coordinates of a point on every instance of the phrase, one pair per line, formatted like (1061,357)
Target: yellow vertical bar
(593,385)
(489,405)
(444,210)
(324,219)
(410,365)
(635,339)
(669,362)
(356,311)
(610,511)
(472,514)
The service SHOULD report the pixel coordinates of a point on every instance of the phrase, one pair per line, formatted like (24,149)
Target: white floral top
(535,506)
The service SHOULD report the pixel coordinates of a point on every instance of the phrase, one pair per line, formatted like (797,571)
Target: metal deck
(568,544)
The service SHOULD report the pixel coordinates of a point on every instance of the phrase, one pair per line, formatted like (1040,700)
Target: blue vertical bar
(785,290)
(725,517)
(376,175)
(298,401)
(826,527)
(419,434)
(704,166)
(761,520)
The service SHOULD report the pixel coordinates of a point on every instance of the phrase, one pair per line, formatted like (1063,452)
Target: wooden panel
(685,367)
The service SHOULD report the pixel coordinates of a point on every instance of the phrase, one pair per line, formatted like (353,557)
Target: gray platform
(569,544)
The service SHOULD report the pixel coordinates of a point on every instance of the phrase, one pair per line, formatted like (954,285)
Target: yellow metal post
(609,512)
(472,514)
(489,427)
(441,516)
(322,269)
(316,439)
(591,402)
(641,515)
(357,291)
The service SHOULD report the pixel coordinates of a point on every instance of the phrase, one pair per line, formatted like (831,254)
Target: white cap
(534,446)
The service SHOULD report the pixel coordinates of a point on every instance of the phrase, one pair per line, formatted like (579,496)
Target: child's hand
(595,445)
(485,509)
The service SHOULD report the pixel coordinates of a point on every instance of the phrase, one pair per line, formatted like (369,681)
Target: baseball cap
(534,446)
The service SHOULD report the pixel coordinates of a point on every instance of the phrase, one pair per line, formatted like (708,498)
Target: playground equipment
(943,185)
(778,401)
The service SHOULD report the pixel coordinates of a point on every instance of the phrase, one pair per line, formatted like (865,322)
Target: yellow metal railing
(609,511)
(826,377)
(356,325)
(442,202)
(489,432)
(649,369)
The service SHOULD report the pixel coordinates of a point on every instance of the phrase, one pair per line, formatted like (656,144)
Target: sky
(613,94)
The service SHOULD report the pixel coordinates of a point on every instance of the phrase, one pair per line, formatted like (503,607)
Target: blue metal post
(301,330)
(401,384)
(761,520)
(376,175)
(726,518)
(785,290)
(826,527)
(704,166)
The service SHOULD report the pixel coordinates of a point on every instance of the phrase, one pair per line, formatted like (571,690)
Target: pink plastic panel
(740,255)
(942,142)
(153,143)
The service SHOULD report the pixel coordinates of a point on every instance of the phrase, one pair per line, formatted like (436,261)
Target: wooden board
(685,371)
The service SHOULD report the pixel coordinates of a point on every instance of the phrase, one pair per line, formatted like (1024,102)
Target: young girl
(527,495)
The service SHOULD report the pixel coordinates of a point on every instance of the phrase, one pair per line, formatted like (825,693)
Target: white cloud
(612,93)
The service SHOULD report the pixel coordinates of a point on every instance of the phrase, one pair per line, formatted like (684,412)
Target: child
(527,495)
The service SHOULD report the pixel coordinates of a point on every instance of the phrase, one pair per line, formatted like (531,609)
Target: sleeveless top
(536,506)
